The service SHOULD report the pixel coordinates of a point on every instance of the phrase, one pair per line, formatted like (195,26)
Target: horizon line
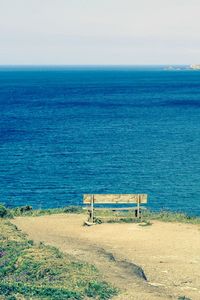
(91,65)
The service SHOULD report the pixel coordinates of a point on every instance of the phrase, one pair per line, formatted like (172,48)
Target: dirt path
(169,253)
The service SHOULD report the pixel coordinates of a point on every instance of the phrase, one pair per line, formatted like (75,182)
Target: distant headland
(190,67)
(195,67)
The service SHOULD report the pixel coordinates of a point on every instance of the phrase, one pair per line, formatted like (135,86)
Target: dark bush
(3,211)
(26,208)
(17,211)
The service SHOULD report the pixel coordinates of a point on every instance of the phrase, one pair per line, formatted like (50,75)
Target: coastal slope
(167,252)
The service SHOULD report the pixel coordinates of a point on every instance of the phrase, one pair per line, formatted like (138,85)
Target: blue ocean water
(65,131)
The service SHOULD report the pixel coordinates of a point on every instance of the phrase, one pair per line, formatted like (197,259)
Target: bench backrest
(114,198)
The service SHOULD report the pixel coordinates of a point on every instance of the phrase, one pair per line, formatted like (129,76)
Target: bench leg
(89,215)
(92,209)
(138,213)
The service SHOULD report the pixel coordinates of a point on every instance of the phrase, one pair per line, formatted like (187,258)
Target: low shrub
(3,211)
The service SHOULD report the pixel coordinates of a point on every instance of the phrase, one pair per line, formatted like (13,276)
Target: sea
(70,130)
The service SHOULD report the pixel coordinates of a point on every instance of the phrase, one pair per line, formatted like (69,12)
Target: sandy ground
(169,253)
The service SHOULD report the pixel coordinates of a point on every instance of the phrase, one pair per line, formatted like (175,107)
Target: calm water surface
(69,131)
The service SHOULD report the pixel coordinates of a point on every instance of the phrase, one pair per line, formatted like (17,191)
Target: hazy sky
(99,31)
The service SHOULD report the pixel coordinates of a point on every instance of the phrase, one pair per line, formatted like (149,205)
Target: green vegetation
(108,216)
(29,211)
(30,271)
(4,212)
(103,215)
(168,216)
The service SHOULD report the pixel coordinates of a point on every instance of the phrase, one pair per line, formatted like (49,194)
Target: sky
(99,32)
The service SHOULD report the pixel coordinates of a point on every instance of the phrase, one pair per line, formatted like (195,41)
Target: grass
(168,216)
(107,216)
(30,271)
(103,216)
(29,211)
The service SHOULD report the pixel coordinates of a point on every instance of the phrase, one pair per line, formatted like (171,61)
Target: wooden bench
(92,199)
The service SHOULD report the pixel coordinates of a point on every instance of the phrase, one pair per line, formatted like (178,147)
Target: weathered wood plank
(115,198)
(116,208)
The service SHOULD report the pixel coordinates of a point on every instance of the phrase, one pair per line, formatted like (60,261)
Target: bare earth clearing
(169,253)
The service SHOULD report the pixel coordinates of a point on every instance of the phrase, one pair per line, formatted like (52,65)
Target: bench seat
(115,208)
